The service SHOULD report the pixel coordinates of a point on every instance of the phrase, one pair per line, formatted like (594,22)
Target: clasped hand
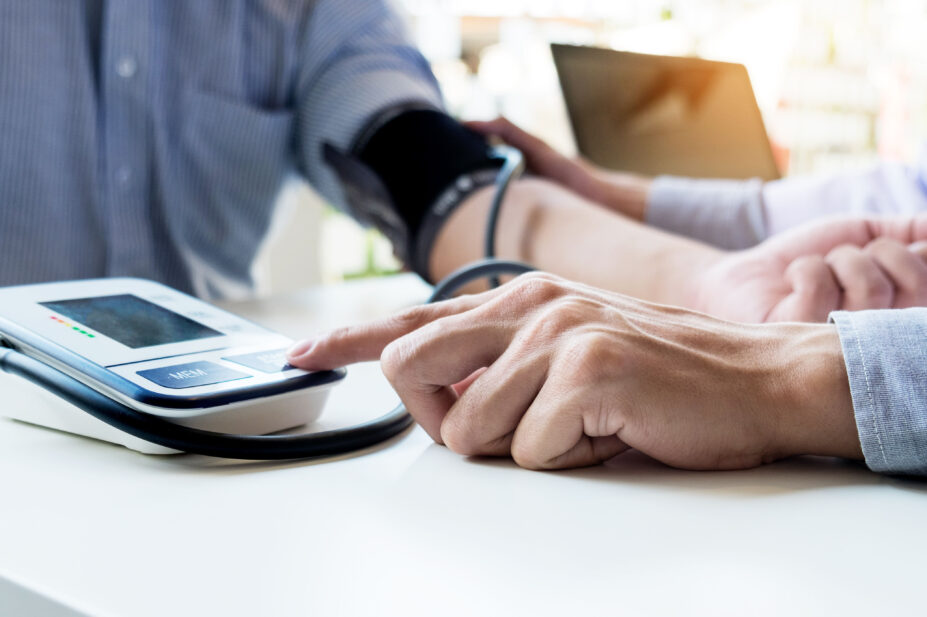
(806,273)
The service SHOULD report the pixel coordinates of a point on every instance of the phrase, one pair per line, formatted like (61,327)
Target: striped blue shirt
(150,137)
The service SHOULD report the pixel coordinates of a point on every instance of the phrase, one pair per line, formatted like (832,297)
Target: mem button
(191,375)
(273,361)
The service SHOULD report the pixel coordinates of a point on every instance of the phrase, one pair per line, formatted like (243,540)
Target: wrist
(811,401)
(628,194)
(685,274)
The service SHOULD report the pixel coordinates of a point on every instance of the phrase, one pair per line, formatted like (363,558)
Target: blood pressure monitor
(157,351)
(136,363)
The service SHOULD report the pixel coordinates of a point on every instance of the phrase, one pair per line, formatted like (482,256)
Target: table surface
(411,528)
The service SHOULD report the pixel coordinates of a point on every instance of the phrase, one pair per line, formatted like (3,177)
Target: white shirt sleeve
(726,213)
(736,214)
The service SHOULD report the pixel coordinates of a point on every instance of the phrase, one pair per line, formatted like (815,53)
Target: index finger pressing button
(271,361)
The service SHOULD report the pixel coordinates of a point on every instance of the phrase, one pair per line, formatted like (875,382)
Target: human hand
(625,193)
(557,374)
(804,274)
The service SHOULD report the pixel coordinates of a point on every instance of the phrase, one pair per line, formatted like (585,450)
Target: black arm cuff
(408,174)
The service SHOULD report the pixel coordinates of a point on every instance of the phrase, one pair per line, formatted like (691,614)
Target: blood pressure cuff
(407,173)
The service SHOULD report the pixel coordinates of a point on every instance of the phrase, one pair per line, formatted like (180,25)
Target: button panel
(271,361)
(191,374)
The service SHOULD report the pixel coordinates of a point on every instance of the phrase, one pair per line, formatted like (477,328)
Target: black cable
(471,272)
(260,447)
(196,441)
(511,169)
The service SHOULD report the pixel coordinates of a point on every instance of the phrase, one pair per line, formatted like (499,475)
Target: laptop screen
(664,115)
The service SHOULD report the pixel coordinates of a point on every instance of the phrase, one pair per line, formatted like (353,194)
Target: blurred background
(839,83)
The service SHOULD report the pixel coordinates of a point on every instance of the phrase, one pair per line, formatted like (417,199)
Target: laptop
(664,115)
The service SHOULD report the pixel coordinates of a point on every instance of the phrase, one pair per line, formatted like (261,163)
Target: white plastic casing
(258,402)
(21,400)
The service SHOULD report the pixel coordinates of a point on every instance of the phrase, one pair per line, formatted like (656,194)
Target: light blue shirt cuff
(728,214)
(885,353)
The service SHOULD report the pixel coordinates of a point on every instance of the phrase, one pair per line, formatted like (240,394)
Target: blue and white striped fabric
(156,149)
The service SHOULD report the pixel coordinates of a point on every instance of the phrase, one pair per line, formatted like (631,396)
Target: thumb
(919,249)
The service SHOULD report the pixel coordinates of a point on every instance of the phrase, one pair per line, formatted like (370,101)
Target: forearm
(559,232)
(626,193)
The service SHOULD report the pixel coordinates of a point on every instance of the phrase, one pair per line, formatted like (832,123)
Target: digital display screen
(131,321)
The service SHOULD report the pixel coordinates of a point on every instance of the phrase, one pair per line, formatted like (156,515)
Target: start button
(273,361)
(191,375)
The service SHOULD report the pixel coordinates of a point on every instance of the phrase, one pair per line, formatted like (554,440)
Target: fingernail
(919,247)
(301,348)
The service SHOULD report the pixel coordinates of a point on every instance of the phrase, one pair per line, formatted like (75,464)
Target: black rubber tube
(195,441)
(511,169)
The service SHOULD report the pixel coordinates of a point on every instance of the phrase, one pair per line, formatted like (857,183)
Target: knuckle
(559,316)
(537,287)
(843,251)
(453,437)
(799,269)
(808,264)
(881,245)
(812,272)
(566,312)
(394,358)
(589,357)
(460,437)
(409,318)
(537,275)
(877,288)
(525,454)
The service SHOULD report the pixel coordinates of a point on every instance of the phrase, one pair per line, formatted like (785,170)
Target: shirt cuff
(726,213)
(886,362)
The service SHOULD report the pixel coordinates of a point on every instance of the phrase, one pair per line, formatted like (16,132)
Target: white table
(413,529)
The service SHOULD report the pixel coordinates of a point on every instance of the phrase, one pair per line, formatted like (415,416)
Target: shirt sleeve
(734,214)
(885,352)
(357,63)
(726,213)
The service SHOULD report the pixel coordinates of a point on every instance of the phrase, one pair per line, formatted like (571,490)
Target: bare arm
(561,232)
(726,213)
(621,192)
(800,275)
